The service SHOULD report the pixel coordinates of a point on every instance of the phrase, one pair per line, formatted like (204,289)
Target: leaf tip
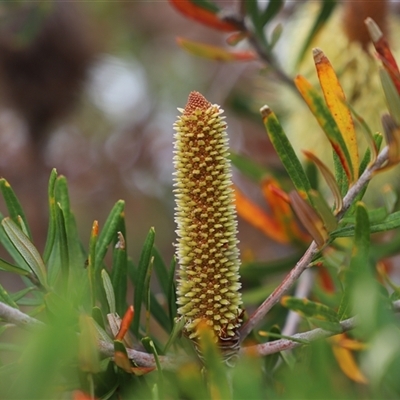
(373,30)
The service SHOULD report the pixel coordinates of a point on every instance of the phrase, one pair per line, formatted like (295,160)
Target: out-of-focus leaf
(108,288)
(258,218)
(346,360)
(218,379)
(392,135)
(285,152)
(108,233)
(327,7)
(144,264)
(275,34)
(325,119)
(202,15)
(214,52)
(312,222)
(390,198)
(310,309)
(236,37)
(89,358)
(119,274)
(383,49)
(207,5)
(359,258)
(248,167)
(26,249)
(329,179)
(335,100)
(254,272)
(392,96)
(13,205)
(270,11)
(64,263)
(279,204)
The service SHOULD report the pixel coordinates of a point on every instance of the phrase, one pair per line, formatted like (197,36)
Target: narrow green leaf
(172,308)
(14,206)
(144,264)
(51,233)
(6,298)
(275,35)
(6,266)
(156,309)
(119,274)
(310,309)
(249,168)
(16,296)
(391,222)
(161,272)
(76,253)
(147,294)
(359,259)
(152,349)
(270,12)
(108,233)
(179,323)
(26,249)
(108,288)
(63,248)
(326,325)
(285,152)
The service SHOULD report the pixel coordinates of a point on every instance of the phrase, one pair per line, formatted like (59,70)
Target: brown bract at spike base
(208,284)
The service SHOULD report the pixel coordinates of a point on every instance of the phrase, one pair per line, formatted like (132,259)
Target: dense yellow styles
(208,284)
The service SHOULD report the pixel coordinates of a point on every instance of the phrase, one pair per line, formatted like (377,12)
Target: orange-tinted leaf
(329,178)
(236,37)
(279,203)
(326,280)
(259,219)
(385,54)
(335,100)
(125,323)
(346,361)
(205,17)
(214,52)
(80,395)
(309,218)
(122,360)
(139,371)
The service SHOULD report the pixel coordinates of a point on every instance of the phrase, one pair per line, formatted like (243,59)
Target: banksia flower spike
(208,284)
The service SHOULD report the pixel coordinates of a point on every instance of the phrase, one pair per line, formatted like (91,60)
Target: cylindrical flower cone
(208,284)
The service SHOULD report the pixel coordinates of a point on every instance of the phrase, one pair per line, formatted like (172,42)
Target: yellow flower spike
(208,284)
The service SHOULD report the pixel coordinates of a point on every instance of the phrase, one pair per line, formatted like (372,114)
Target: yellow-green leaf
(325,119)
(336,101)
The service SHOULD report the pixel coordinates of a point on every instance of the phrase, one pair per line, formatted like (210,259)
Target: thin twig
(277,346)
(16,317)
(304,262)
